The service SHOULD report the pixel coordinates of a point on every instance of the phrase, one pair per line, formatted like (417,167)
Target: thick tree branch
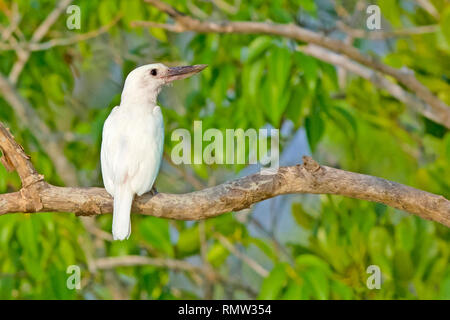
(38,196)
(183,23)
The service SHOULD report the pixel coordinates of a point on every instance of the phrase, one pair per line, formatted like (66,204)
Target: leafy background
(309,247)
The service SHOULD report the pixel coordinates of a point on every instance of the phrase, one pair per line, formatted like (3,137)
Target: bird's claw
(153,191)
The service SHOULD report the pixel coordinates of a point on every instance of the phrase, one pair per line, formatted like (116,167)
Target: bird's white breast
(132,147)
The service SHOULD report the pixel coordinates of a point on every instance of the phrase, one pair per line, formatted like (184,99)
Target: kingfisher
(133,139)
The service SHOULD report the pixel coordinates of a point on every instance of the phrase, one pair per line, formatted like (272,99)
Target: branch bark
(183,23)
(38,196)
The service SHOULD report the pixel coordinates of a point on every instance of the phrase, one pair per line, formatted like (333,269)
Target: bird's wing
(108,151)
(148,153)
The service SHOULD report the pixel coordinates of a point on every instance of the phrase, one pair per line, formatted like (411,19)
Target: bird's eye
(154,72)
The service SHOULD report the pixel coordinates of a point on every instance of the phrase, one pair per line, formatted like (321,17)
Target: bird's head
(145,82)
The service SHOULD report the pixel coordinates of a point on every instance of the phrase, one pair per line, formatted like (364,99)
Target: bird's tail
(121,226)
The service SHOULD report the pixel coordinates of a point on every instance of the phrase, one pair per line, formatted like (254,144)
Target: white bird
(133,139)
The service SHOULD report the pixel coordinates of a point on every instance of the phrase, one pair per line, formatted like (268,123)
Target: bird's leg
(154,192)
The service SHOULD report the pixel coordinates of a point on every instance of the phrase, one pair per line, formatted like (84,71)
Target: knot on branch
(89,208)
(31,200)
(310,164)
(311,173)
(31,180)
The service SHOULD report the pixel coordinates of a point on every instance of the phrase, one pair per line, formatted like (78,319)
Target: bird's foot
(154,192)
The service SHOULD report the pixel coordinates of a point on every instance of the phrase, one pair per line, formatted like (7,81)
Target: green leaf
(264,247)
(301,216)
(276,91)
(295,292)
(315,128)
(341,291)
(344,120)
(188,241)
(58,285)
(274,283)
(318,282)
(258,47)
(306,261)
(159,34)
(67,252)
(310,68)
(405,235)
(381,249)
(27,233)
(445,23)
(155,231)
(309,6)
(404,268)
(106,11)
(217,254)
(444,292)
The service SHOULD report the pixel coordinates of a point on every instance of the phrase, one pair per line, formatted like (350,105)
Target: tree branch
(173,264)
(382,35)
(255,266)
(377,79)
(41,46)
(37,36)
(185,23)
(38,196)
(429,7)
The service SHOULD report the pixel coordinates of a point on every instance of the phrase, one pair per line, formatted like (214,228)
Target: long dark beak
(177,73)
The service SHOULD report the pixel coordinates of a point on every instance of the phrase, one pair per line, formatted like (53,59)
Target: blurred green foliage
(252,81)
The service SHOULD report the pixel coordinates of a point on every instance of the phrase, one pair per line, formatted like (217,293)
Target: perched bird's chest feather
(132,144)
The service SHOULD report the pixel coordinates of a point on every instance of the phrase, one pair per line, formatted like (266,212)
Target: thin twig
(173,264)
(242,256)
(429,7)
(375,78)
(38,34)
(75,39)
(381,35)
